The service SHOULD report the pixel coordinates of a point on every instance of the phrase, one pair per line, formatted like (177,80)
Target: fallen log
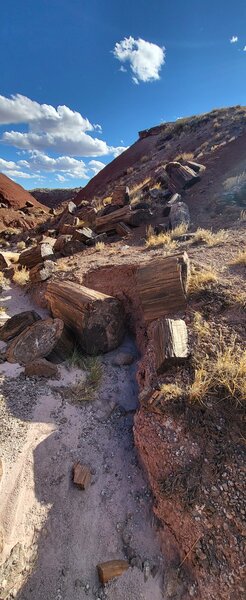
(36,254)
(69,228)
(96,319)
(37,341)
(140,216)
(108,222)
(122,229)
(180,177)
(18,323)
(87,215)
(61,241)
(67,215)
(168,341)
(84,235)
(42,271)
(81,476)
(120,195)
(111,569)
(162,286)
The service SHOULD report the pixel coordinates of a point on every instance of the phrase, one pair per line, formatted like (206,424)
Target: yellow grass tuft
(240,259)
(99,246)
(223,377)
(21,277)
(184,156)
(21,245)
(201,280)
(200,326)
(85,389)
(164,239)
(209,238)
(171,391)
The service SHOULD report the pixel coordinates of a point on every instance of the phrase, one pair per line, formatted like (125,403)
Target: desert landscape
(123,373)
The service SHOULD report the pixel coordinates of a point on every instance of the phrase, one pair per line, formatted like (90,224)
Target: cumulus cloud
(13,169)
(96,166)
(234,39)
(244,49)
(60,129)
(145,58)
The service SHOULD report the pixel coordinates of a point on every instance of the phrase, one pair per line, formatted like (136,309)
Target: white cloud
(117,151)
(145,58)
(244,49)
(12,169)
(61,130)
(234,39)
(96,166)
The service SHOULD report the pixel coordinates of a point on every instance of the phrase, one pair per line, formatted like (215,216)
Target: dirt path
(43,515)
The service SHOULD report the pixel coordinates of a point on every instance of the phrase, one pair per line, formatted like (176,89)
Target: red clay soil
(13,198)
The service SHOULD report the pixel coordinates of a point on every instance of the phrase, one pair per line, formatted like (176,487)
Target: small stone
(123,359)
(41,368)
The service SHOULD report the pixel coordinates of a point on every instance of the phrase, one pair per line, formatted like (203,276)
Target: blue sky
(113,68)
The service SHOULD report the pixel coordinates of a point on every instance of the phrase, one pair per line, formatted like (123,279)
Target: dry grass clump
(84,390)
(21,245)
(164,239)
(21,277)
(184,156)
(99,246)
(222,377)
(201,280)
(171,391)
(209,238)
(243,215)
(201,327)
(240,259)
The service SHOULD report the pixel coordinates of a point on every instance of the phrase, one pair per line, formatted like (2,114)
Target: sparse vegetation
(84,390)
(99,246)
(21,277)
(21,245)
(164,239)
(240,259)
(201,280)
(243,215)
(184,156)
(210,238)
(171,391)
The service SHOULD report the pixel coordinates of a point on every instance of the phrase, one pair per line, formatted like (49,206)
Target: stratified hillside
(216,139)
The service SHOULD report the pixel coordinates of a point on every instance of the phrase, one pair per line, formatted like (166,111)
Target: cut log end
(111,569)
(81,476)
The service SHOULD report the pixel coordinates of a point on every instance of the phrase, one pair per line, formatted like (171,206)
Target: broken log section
(81,476)
(37,341)
(168,339)
(122,229)
(95,318)
(42,271)
(35,255)
(111,569)
(18,323)
(162,286)
(4,262)
(108,222)
(180,177)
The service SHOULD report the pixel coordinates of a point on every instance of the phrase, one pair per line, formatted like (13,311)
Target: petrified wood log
(69,228)
(95,318)
(180,177)
(162,286)
(81,476)
(60,242)
(168,341)
(140,216)
(35,255)
(42,271)
(111,569)
(87,215)
(83,235)
(108,222)
(18,323)
(179,215)
(37,341)
(122,229)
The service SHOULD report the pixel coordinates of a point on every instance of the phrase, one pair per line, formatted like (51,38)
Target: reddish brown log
(41,368)
(168,343)
(42,271)
(96,319)
(35,255)
(60,242)
(83,235)
(4,262)
(18,323)
(180,177)
(108,222)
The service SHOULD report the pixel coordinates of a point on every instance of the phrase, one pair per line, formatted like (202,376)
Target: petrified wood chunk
(108,222)
(162,286)
(61,241)
(4,262)
(35,255)
(37,341)
(81,476)
(41,368)
(179,215)
(83,235)
(111,569)
(18,323)
(95,318)
(42,271)
(180,177)
(168,341)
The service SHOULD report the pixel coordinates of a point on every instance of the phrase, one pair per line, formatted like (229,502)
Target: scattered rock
(111,569)
(41,368)
(122,359)
(81,476)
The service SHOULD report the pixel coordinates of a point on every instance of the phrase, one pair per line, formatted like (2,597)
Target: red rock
(81,476)
(41,368)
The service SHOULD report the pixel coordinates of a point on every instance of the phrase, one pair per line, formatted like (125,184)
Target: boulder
(179,215)
(38,341)
(18,323)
